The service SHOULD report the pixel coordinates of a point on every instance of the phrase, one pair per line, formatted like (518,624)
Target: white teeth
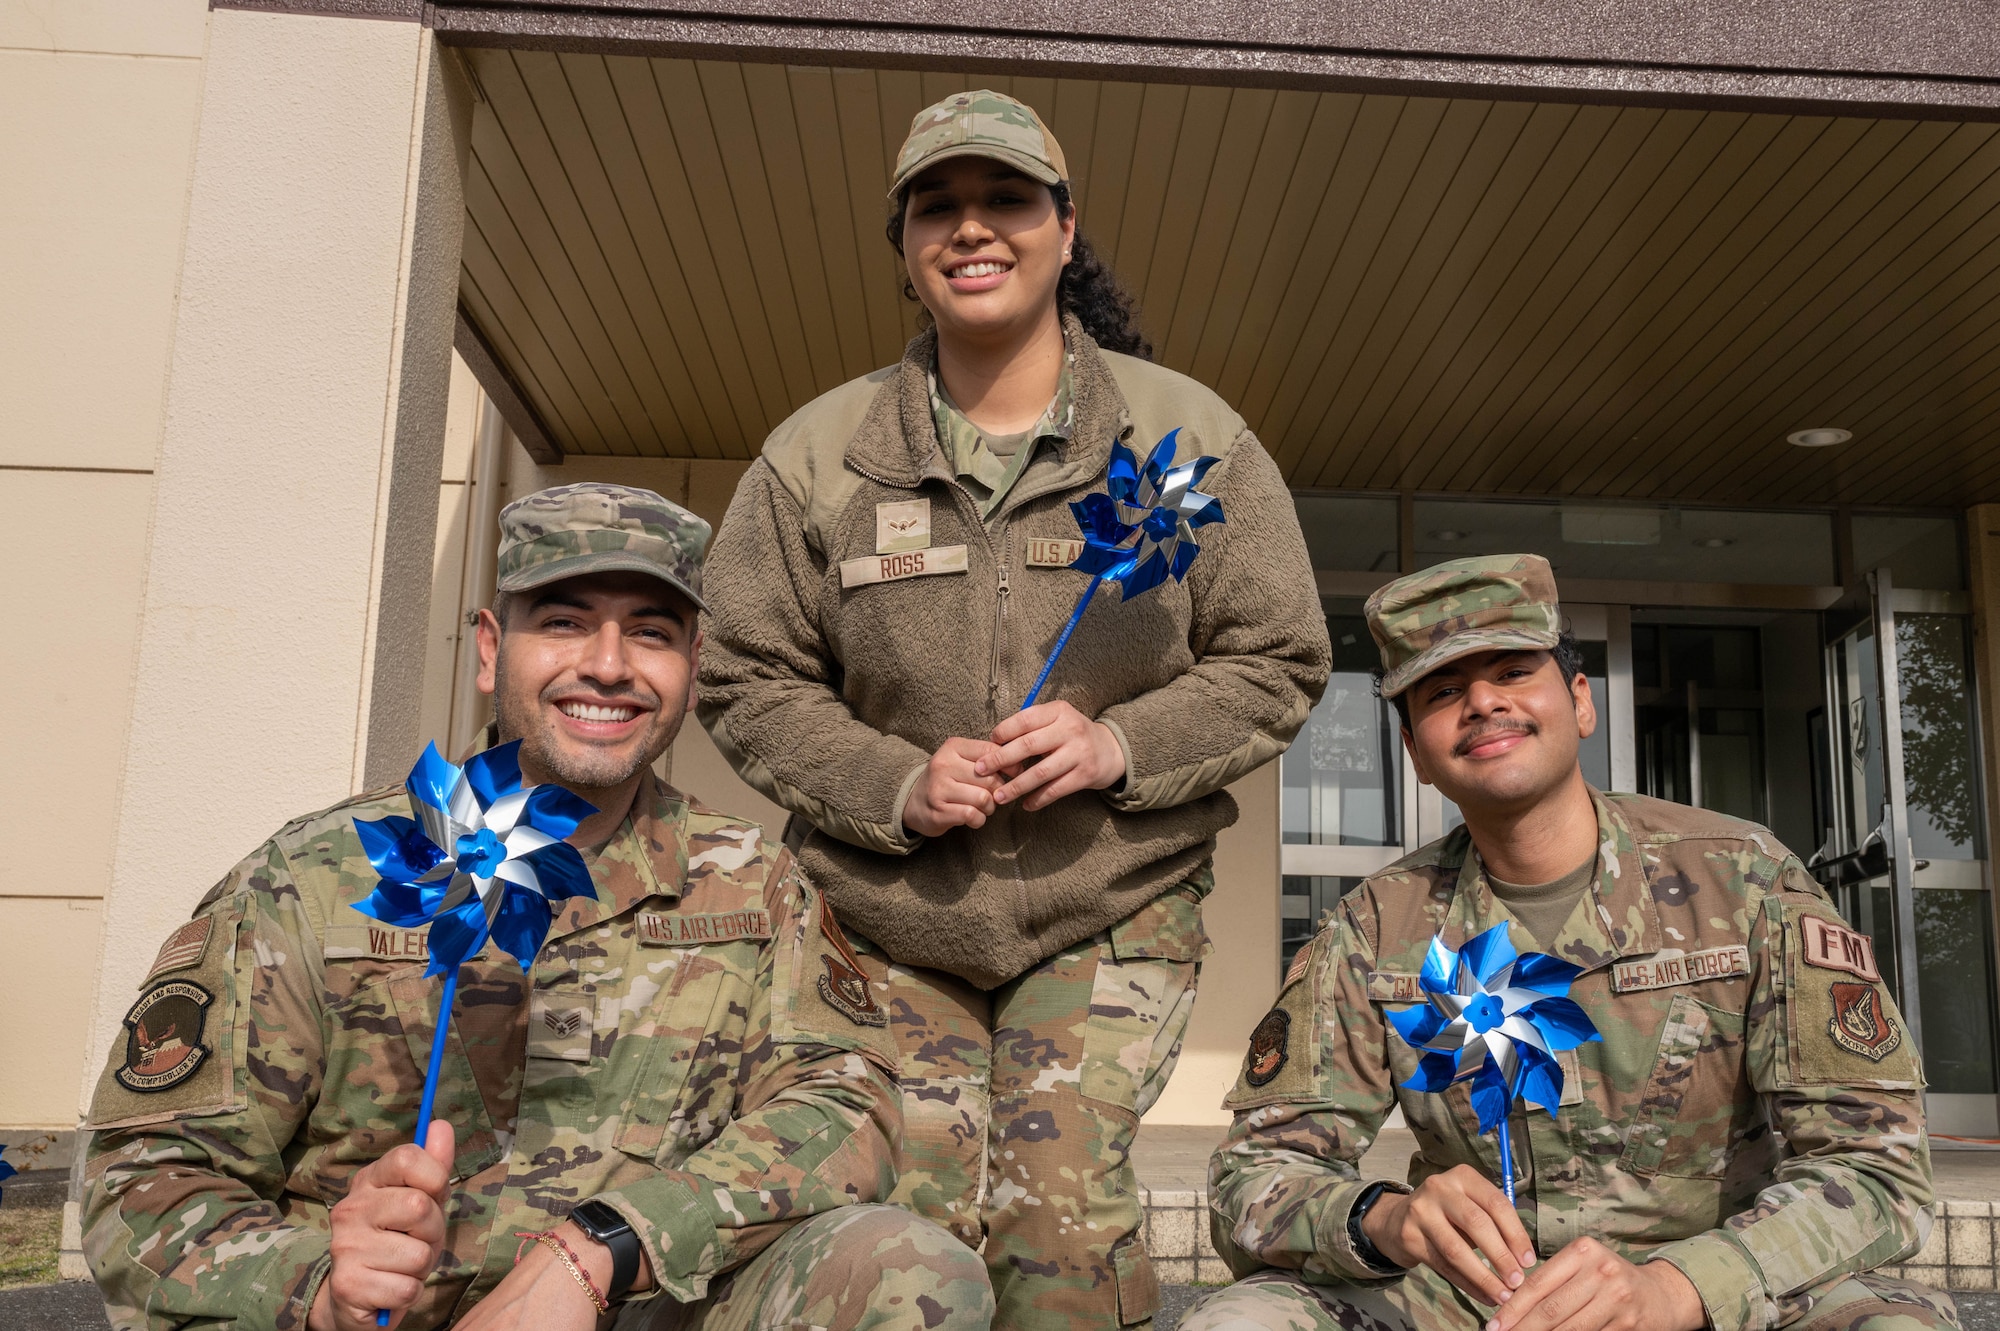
(978,269)
(583,711)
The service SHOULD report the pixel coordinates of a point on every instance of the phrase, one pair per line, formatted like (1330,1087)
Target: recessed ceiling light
(1823,437)
(1714,542)
(1447,535)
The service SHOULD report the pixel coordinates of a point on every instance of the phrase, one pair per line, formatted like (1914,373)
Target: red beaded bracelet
(551,1240)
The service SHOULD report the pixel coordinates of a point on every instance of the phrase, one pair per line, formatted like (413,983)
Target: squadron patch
(1269,1047)
(1860,1024)
(163,1031)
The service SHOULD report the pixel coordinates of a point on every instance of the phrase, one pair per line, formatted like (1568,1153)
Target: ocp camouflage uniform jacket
(692,1048)
(1752,1114)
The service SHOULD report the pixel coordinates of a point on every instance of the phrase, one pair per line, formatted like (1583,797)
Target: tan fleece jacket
(830,699)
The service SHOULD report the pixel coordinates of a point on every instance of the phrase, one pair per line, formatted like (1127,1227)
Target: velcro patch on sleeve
(908,564)
(174,1053)
(1834,947)
(1841,1026)
(672,929)
(1282,1062)
(1664,970)
(183,948)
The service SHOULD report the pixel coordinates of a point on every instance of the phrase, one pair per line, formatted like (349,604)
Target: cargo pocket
(1695,1108)
(1138,1287)
(1140,999)
(657,1048)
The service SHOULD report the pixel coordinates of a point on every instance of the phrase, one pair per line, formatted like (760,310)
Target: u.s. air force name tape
(907,564)
(1665,971)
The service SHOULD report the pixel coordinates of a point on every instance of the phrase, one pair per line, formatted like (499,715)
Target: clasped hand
(1462,1226)
(1036,756)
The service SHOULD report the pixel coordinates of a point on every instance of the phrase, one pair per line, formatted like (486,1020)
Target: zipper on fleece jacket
(999,633)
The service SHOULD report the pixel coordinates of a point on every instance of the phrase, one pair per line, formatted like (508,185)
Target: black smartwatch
(1364,1247)
(604,1225)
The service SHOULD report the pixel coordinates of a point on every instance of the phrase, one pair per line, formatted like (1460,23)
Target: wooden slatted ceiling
(1448,296)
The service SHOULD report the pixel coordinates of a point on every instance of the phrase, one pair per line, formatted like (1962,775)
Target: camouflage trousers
(1423,1301)
(858,1268)
(1020,1105)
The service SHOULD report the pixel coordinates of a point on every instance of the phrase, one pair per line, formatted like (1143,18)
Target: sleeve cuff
(676,1231)
(1121,796)
(281,1290)
(901,839)
(1336,1245)
(1729,1283)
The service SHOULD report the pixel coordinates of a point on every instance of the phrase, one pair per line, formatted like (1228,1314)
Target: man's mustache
(1486,732)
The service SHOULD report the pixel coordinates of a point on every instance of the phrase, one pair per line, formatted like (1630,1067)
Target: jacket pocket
(1694,1109)
(678,1053)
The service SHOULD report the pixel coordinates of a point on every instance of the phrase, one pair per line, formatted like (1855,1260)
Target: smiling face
(1498,731)
(592,674)
(985,247)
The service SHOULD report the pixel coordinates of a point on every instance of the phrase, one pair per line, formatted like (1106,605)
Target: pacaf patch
(1270,1045)
(845,985)
(1861,1023)
(163,1033)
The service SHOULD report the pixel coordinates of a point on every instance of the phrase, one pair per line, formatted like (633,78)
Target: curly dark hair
(1087,288)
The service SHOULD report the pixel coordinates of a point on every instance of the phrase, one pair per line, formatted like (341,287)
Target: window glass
(1342,778)
(1919,551)
(1306,900)
(1348,534)
(1940,767)
(1635,543)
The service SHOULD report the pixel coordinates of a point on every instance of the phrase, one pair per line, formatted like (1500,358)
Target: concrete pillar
(1982,539)
(281,647)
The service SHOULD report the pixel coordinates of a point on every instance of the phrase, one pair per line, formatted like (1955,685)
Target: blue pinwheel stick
(1497,1018)
(1139,533)
(485,857)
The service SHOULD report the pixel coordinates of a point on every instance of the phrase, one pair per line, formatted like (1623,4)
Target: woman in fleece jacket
(890,577)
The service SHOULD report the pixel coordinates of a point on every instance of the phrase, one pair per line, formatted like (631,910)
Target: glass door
(1903,854)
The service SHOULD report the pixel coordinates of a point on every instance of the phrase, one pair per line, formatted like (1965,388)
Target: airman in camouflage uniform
(694,1047)
(1752,1115)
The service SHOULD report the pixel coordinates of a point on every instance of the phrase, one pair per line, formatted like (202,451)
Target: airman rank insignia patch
(1269,1047)
(1860,1024)
(163,1032)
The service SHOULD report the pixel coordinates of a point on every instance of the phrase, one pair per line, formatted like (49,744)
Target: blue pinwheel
(1497,1018)
(1139,533)
(7,1171)
(484,857)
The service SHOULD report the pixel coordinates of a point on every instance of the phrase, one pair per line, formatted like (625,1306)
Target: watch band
(604,1225)
(1364,1247)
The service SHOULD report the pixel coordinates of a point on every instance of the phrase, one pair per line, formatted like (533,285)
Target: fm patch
(163,1031)
(183,947)
(1269,1047)
(1831,947)
(1860,1023)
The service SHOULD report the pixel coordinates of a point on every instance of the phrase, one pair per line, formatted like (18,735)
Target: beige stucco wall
(99,99)
(286,608)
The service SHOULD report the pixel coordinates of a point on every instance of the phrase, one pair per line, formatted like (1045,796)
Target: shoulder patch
(1270,1047)
(183,947)
(163,1037)
(1841,1027)
(844,985)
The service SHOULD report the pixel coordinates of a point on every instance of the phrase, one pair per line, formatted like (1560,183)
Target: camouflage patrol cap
(1491,603)
(980,124)
(598,528)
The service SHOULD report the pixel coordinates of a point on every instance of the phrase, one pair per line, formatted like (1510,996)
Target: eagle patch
(163,1033)
(1860,1023)
(1269,1047)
